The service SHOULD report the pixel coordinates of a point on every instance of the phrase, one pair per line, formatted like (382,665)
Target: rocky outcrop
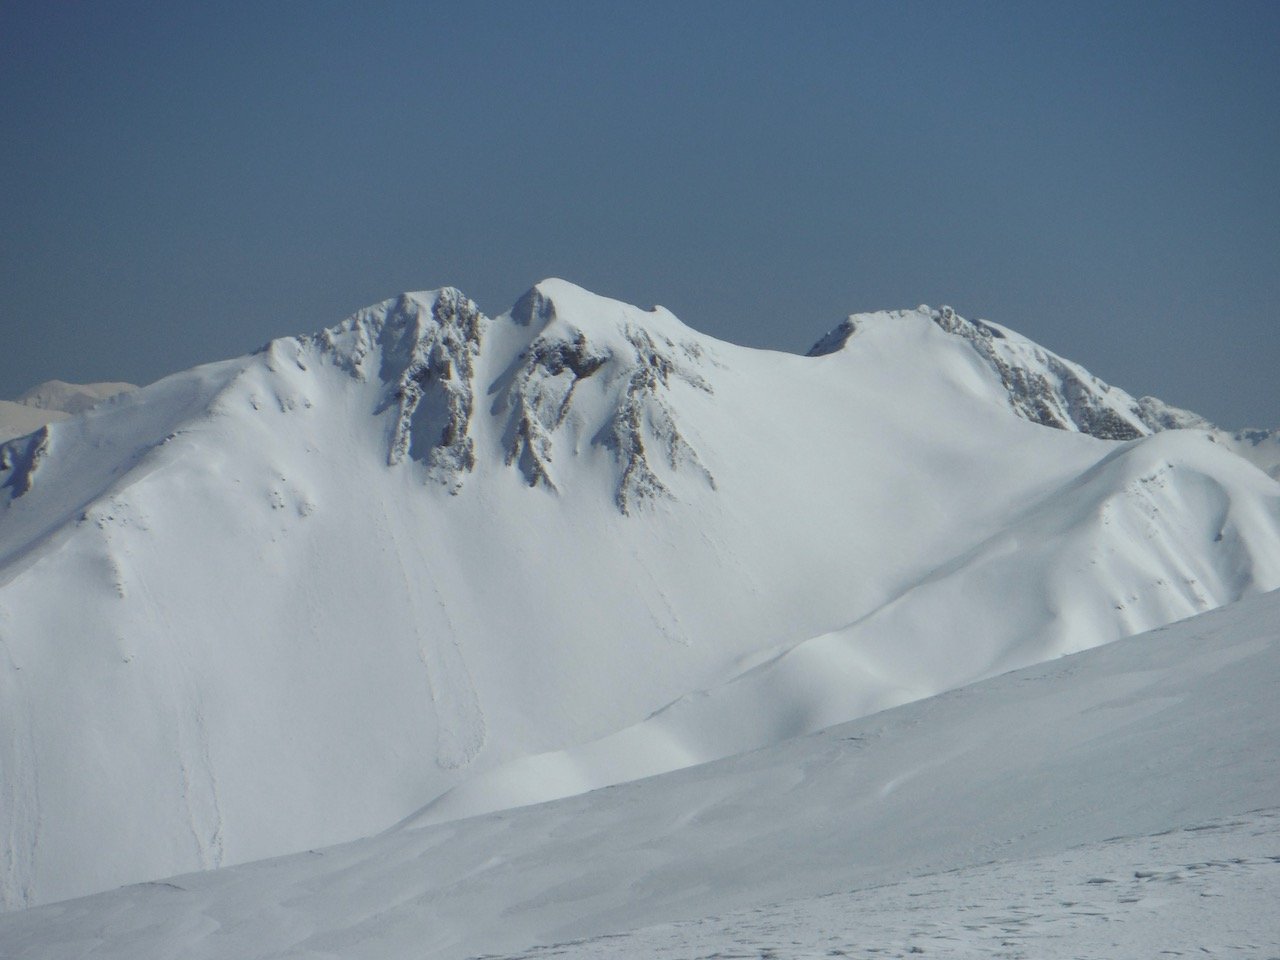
(427,346)
(635,379)
(19,461)
(541,395)
(1046,389)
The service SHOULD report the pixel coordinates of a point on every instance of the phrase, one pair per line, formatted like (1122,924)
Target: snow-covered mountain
(430,558)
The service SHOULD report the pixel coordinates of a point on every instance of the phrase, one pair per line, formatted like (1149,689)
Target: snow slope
(286,600)
(1084,807)
(1206,890)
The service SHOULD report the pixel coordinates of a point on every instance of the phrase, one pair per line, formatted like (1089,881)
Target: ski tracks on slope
(20,812)
(197,776)
(461,729)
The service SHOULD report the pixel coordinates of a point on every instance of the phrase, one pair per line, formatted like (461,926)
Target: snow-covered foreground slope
(1025,802)
(286,600)
(1206,890)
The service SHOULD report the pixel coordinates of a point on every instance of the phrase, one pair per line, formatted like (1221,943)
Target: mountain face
(431,558)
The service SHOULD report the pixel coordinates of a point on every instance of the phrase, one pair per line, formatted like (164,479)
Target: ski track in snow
(668,622)
(198,779)
(460,723)
(1208,890)
(20,796)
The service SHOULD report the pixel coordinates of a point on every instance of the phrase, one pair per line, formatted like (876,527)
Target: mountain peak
(637,354)
(554,298)
(564,368)
(598,317)
(1040,385)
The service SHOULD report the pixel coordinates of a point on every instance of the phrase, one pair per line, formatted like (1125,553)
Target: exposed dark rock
(19,461)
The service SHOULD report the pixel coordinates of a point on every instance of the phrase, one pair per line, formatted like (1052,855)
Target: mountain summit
(1047,389)
(431,558)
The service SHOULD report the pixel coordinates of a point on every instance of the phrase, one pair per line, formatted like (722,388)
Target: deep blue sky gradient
(181,182)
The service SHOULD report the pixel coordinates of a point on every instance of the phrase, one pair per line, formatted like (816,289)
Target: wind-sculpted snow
(288,600)
(1259,447)
(52,401)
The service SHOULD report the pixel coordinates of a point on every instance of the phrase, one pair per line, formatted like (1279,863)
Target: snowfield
(1200,891)
(1111,803)
(428,567)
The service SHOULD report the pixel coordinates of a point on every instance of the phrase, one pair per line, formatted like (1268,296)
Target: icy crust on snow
(1207,890)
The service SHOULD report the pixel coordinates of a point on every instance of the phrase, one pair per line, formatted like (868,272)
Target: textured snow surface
(429,563)
(1208,890)
(1110,804)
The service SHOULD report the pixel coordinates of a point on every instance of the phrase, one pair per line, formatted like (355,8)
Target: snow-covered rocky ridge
(1051,390)
(429,555)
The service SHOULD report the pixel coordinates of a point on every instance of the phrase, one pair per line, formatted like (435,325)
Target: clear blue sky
(180,182)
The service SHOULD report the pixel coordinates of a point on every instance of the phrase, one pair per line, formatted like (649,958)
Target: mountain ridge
(1046,388)
(496,538)
(433,364)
